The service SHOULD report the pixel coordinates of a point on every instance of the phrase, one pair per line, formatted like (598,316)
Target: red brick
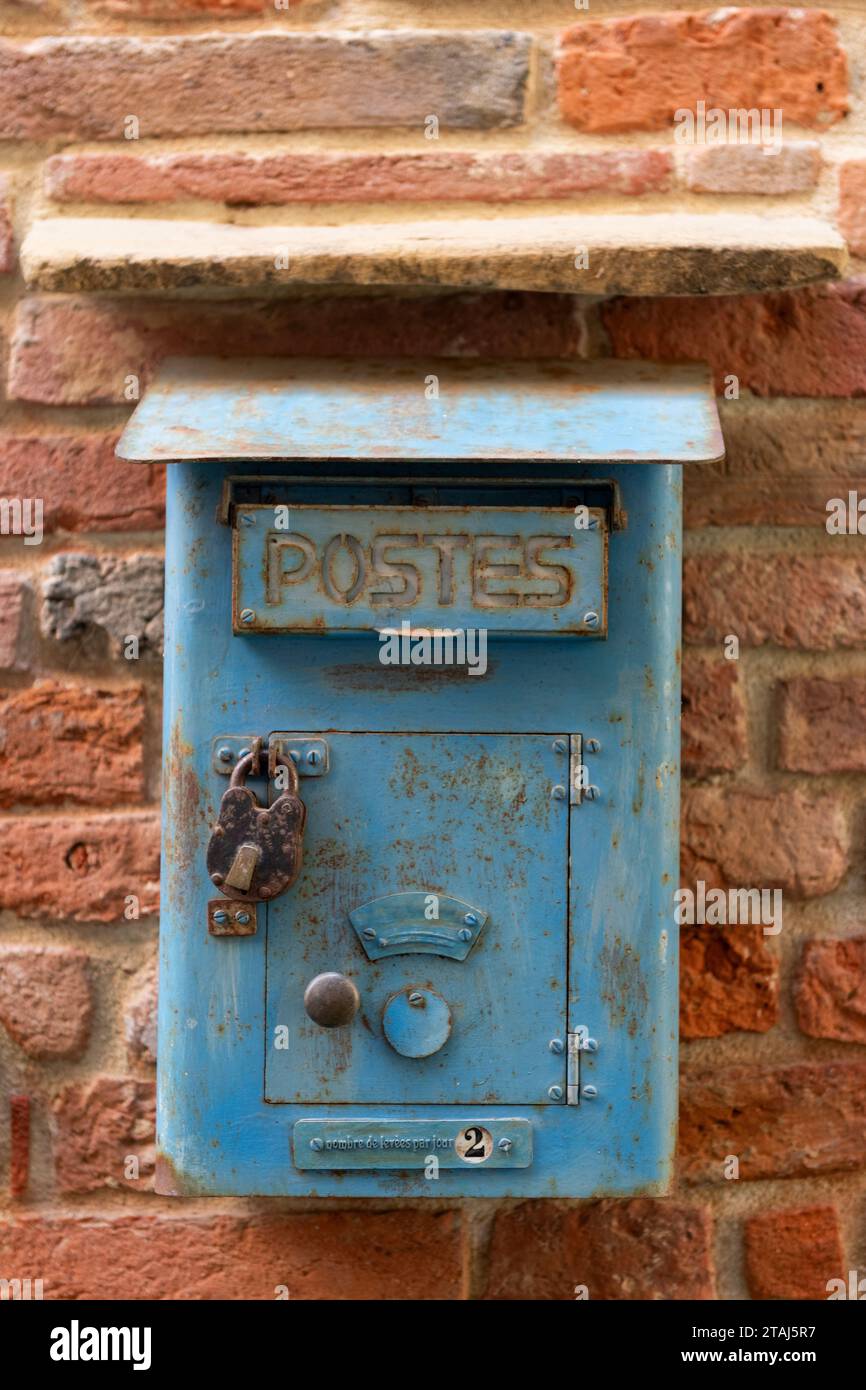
(807,342)
(830,989)
(780,1122)
(93,740)
(19,1145)
(7,248)
(83,486)
(79,869)
(14,601)
(852,205)
(79,351)
(178,9)
(808,602)
(642,1249)
(746,837)
(326,1255)
(83,87)
(431,175)
(45,1000)
(97,1127)
(714,734)
(757,501)
(729,982)
(793,1253)
(792,442)
(635,72)
(822,724)
(753,168)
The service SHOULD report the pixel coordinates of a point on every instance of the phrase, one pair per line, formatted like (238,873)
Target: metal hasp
(472,975)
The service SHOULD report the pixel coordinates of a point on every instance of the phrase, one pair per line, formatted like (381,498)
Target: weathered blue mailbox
(421,774)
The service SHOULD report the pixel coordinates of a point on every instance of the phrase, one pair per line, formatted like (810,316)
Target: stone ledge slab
(628,254)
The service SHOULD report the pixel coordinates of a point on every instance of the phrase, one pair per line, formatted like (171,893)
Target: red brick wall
(774,748)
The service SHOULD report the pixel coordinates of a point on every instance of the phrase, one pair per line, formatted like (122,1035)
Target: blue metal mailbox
(421,774)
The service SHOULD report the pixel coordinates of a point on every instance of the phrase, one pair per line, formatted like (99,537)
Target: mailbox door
(400,828)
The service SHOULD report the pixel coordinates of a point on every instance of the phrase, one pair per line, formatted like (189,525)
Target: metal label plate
(358,569)
(464,1143)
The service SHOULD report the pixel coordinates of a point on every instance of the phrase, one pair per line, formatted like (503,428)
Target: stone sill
(629,253)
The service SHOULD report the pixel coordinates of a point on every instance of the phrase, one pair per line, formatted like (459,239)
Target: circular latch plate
(417,1021)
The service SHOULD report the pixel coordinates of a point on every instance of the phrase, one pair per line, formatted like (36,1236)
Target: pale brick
(746,837)
(830,989)
(97,1127)
(792,167)
(45,1000)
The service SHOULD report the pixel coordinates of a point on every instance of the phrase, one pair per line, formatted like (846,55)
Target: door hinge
(579,1041)
(572,1075)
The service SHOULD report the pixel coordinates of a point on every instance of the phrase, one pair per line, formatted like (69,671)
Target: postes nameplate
(359,569)
(463,1143)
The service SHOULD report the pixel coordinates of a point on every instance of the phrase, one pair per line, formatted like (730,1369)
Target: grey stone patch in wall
(140,1018)
(122,595)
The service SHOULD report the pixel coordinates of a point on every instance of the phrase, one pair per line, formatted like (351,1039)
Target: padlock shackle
(243,766)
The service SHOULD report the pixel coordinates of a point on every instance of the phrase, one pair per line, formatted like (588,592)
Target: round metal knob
(331,1000)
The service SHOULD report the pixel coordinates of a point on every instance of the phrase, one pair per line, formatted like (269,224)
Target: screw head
(295,755)
(555,1092)
(416,999)
(248,519)
(590,1045)
(221,917)
(591,620)
(314,757)
(556,1045)
(243,918)
(225,754)
(247,615)
(369,933)
(591,793)
(504,1146)
(560,745)
(317,1145)
(558,793)
(589,1092)
(465,934)
(592,745)
(470,919)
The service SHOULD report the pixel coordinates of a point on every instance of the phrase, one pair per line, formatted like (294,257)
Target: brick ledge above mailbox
(622,253)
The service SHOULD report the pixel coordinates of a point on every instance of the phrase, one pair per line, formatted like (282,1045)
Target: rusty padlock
(254,852)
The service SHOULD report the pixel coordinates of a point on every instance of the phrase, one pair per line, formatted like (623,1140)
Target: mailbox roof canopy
(415,410)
